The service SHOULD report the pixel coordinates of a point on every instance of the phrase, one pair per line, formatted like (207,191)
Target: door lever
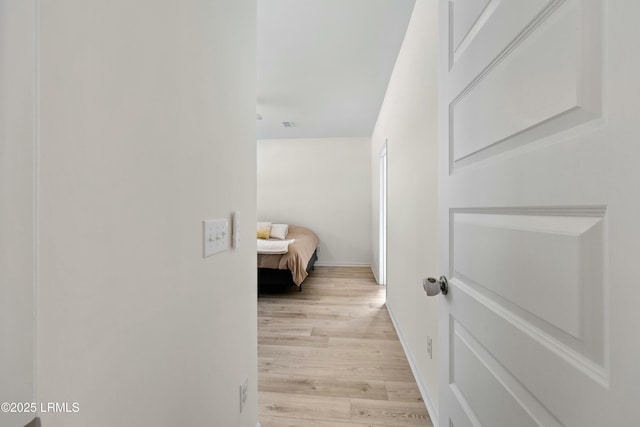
(433,287)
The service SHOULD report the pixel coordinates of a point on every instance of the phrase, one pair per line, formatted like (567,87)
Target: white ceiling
(325,64)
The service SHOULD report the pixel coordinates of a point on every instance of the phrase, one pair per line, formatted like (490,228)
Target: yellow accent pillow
(263,232)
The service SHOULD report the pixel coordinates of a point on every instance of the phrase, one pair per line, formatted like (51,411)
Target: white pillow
(279,231)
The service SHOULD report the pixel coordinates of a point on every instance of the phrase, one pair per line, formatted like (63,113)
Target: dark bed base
(269,278)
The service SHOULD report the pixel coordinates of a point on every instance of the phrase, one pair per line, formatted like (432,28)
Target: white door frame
(382,223)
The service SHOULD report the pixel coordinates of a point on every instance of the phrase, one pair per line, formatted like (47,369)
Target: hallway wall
(17,113)
(147,127)
(408,120)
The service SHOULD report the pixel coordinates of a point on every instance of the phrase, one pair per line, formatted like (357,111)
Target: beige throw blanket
(298,255)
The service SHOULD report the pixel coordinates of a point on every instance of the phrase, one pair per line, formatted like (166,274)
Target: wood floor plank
(265,338)
(290,329)
(327,354)
(355,332)
(403,391)
(359,325)
(324,386)
(270,421)
(384,346)
(317,311)
(326,368)
(306,407)
(336,355)
(401,414)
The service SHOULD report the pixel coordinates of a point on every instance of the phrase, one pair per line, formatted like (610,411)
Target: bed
(292,267)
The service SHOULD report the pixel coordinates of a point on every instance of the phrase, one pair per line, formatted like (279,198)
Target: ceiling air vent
(289,124)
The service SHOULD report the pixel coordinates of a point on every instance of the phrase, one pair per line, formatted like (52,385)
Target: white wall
(147,127)
(323,184)
(408,119)
(17,83)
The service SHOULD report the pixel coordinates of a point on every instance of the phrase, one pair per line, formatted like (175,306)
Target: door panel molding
(492,381)
(551,273)
(581,232)
(490,40)
(466,18)
(496,110)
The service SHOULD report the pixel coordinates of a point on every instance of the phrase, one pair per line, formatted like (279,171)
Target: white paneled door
(540,213)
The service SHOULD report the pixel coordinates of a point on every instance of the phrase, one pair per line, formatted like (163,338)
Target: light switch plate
(215,237)
(235,229)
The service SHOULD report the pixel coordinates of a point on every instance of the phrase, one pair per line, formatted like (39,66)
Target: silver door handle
(433,287)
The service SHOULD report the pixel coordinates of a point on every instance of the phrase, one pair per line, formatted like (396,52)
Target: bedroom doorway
(382,256)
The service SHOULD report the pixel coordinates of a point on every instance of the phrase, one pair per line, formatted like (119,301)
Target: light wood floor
(329,356)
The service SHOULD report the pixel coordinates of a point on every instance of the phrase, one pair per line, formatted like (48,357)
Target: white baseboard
(433,411)
(343,264)
(375,276)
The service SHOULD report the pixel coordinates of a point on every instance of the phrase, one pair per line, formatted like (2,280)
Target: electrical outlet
(430,347)
(244,391)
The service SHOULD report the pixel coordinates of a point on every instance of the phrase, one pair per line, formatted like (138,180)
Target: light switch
(215,236)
